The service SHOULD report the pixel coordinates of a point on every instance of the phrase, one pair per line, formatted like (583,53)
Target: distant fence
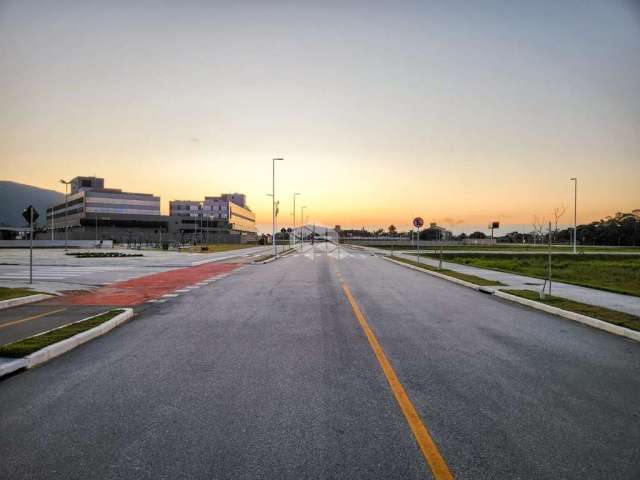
(56,243)
(405,242)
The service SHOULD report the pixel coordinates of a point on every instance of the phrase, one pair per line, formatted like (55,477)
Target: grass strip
(483,282)
(614,273)
(621,319)
(9,293)
(104,255)
(28,345)
(541,249)
(218,247)
(263,258)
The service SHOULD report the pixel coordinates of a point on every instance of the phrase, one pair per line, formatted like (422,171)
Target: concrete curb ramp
(59,348)
(576,317)
(14,302)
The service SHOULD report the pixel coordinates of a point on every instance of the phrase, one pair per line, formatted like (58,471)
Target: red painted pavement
(139,290)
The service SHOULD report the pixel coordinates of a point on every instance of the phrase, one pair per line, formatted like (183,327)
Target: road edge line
(59,348)
(559,312)
(14,302)
(52,351)
(428,447)
(440,275)
(576,317)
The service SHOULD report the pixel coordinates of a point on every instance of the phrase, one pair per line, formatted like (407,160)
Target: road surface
(54,271)
(268,373)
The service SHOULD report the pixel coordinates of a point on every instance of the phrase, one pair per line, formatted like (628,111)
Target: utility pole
(302,227)
(294,219)
(31,248)
(549,262)
(273,205)
(575,214)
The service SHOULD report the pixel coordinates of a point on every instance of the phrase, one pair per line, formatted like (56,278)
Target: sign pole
(31,249)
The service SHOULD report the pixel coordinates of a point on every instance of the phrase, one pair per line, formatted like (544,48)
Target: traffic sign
(418,222)
(28,212)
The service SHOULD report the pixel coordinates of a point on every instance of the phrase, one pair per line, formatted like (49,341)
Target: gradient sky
(461,112)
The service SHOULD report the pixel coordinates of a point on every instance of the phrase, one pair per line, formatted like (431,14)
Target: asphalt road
(267,373)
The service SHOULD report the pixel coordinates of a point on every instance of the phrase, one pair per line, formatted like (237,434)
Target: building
(227,214)
(435,232)
(93,212)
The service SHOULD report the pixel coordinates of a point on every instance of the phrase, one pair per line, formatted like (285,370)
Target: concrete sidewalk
(614,301)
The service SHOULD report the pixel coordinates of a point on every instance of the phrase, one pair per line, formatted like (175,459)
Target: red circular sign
(418,222)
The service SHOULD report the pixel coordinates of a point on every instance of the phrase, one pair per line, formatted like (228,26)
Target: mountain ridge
(15,197)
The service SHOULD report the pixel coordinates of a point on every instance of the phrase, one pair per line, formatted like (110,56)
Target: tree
(392,230)
(538,226)
(477,235)
(557,213)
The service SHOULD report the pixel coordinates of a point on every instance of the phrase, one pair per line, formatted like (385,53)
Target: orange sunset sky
(461,112)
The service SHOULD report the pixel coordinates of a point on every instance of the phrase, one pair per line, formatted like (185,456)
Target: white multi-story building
(89,200)
(229,207)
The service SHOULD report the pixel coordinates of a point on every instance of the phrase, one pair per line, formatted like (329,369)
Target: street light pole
(301,227)
(294,219)
(273,205)
(66,212)
(575,214)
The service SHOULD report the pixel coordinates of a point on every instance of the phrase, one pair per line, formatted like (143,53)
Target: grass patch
(9,293)
(614,273)
(263,258)
(103,254)
(27,346)
(483,282)
(218,247)
(621,319)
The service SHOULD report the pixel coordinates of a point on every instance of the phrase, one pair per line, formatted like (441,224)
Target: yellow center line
(4,325)
(429,449)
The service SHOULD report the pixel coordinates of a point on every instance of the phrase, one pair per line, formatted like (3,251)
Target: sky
(459,112)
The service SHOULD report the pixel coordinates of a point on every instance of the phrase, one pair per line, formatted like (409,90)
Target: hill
(15,197)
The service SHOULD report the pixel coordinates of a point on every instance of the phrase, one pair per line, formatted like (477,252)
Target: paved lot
(266,373)
(55,272)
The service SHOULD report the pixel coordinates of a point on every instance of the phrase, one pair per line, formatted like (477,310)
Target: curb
(59,348)
(576,317)
(14,302)
(440,275)
(273,259)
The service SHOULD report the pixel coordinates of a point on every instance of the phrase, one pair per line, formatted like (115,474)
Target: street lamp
(294,219)
(66,212)
(302,226)
(575,213)
(273,205)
